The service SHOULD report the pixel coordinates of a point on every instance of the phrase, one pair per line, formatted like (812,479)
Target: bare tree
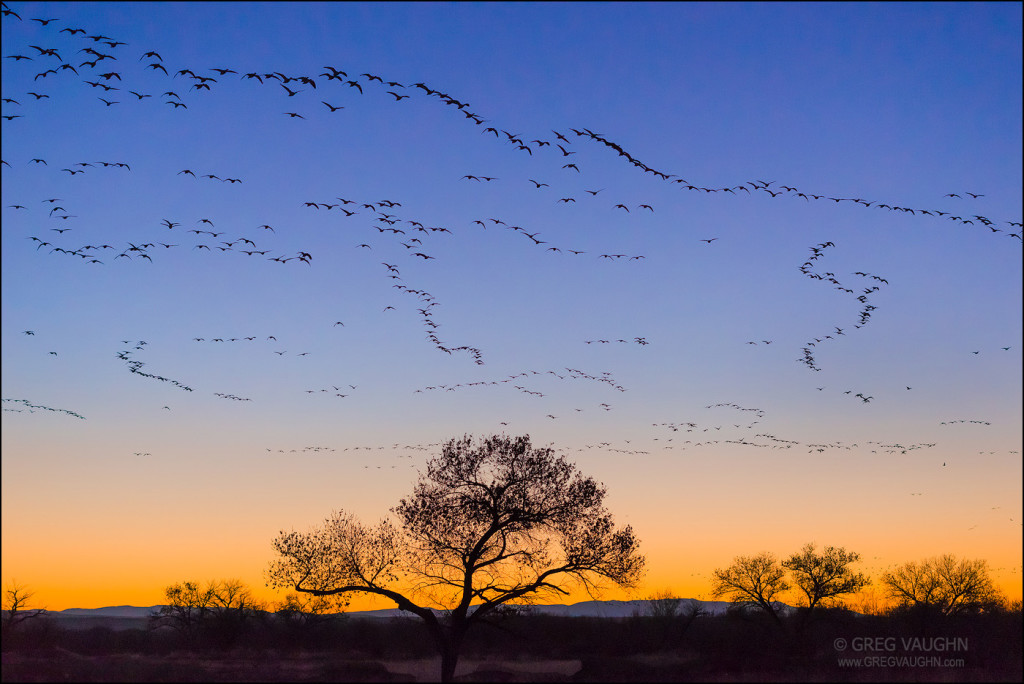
(303,613)
(662,605)
(943,584)
(221,609)
(232,608)
(15,607)
(752,581)
(670,617)
(824,577)
(491,521)
(188,604)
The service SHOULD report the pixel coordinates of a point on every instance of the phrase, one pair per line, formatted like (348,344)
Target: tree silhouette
(942,584)
(824,577)
(221,610)
(669,616)
(491,521)
(233,608)
(304,612)
(15,607)
(752,581)
(188,604)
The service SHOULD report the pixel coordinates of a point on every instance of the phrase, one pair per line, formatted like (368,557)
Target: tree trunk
(450,644)
(449,659)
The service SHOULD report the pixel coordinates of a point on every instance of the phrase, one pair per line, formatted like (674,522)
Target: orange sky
(103,547)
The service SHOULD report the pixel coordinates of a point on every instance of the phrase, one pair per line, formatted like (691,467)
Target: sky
(755,267)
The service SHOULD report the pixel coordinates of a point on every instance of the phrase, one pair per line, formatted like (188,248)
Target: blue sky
(893,104)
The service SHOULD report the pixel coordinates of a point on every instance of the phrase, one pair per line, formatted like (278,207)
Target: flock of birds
(862,297)
(32,408)
(112,67)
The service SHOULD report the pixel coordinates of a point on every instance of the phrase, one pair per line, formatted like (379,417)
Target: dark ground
(727,648)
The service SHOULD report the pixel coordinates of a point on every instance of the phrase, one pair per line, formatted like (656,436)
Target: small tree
(16,610)
(943,585)
(752,582)
(662,605)
(188,605)
(306,611)
(220,609)
(232,609)
(490,522)
(669,616)
(824,578)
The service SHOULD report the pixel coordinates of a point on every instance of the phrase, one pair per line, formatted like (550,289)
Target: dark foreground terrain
(727,648)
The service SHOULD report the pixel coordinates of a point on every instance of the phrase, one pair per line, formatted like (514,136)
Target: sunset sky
(725,411)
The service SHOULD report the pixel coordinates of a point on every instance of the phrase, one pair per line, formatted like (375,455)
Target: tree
(752,581)
(942,584)
(232,609)
(491,521)
(221,609)
(188,604)
(15,607)
(662,605)
(302,616)
(824,577)
(669,616)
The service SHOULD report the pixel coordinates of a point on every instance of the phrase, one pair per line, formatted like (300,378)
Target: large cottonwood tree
(491,522)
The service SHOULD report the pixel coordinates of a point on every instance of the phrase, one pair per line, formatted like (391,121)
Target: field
(728,648)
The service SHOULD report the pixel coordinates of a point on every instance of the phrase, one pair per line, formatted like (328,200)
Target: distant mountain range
(128,617)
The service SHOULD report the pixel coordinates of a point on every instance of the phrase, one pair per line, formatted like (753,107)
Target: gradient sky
(710,446)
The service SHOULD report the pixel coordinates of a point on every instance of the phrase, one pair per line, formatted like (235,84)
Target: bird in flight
(709,241)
